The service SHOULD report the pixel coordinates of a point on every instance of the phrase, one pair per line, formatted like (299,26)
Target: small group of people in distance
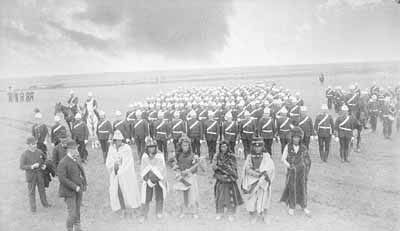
(20,96)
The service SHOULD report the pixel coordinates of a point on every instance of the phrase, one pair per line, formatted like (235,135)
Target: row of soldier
(240,117)
(369,105)
(20,96)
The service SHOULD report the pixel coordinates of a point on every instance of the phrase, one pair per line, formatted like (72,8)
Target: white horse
(91,122)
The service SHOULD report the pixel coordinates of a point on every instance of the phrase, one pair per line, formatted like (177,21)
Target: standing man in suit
(32,161)
(72,185)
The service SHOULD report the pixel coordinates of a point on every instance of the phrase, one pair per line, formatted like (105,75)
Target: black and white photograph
(194,115)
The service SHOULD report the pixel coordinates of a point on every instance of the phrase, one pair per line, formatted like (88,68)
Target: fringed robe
(125,178)
(188,162)
(256,188)
(295,191)
(156,166)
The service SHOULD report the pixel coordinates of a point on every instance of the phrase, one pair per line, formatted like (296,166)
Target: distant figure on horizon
(16,96)
(22,96)
(10,94)
(321,78)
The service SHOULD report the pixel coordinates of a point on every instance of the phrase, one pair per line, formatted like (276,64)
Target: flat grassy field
(361,195)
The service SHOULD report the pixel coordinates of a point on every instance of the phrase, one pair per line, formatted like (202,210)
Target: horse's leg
(96,142)
(90,128)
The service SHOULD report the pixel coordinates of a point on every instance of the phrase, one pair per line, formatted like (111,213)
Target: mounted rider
(73,102)
(91,105)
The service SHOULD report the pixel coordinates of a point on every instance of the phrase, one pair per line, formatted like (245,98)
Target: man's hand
(35,165)
(336,139)
(127,140)
(86,141)
(77,189)
(43,167)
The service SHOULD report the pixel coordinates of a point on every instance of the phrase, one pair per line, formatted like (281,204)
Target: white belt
(230,133)
(177,131)
(164,133)
(285,130)
(212,133)
(324,127)
(346,129)
(268,131)
(103,131)
(248,132)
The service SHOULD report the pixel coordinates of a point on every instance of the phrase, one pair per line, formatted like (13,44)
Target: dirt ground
(361,195)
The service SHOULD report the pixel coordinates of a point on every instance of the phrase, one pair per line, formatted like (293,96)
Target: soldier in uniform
(80,133)
(194,131)
(306,124)
(283,126)
(329,96)
(178,128)
(373,112)
(10,94)
(57,131)
(294,111)
(388,115)
(21,96)
(161,132)
(16,96)
(266,129)
(230,131)
(39,132)
(123,126)
(140,131)
(324,127)
(344,126)
(104,134)
(73,102)
(248,130)
(212,134)
(339,97)
(352,101)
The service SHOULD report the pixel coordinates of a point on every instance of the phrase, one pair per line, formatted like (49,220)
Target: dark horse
(67,112)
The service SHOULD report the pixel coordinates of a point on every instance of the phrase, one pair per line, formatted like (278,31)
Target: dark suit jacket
(27,159)
(70,174)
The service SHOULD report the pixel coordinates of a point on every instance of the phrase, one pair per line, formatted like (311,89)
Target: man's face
(32,146)
(296,140)
(258,149)
(74,153)
(151,149)
(185,146)
(224,148)
(118,143)
(63,142)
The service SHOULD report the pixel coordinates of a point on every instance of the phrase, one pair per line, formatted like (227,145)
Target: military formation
(171,127)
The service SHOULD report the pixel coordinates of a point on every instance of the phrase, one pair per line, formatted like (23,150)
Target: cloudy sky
(44,37)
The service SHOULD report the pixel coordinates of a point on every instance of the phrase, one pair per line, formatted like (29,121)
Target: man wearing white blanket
(154,175)
(124,190)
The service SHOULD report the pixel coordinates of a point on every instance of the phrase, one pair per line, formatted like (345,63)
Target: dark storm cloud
(85,40)
(176,28)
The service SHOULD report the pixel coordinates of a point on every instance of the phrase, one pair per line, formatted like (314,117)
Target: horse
(67,113)
(91,118)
